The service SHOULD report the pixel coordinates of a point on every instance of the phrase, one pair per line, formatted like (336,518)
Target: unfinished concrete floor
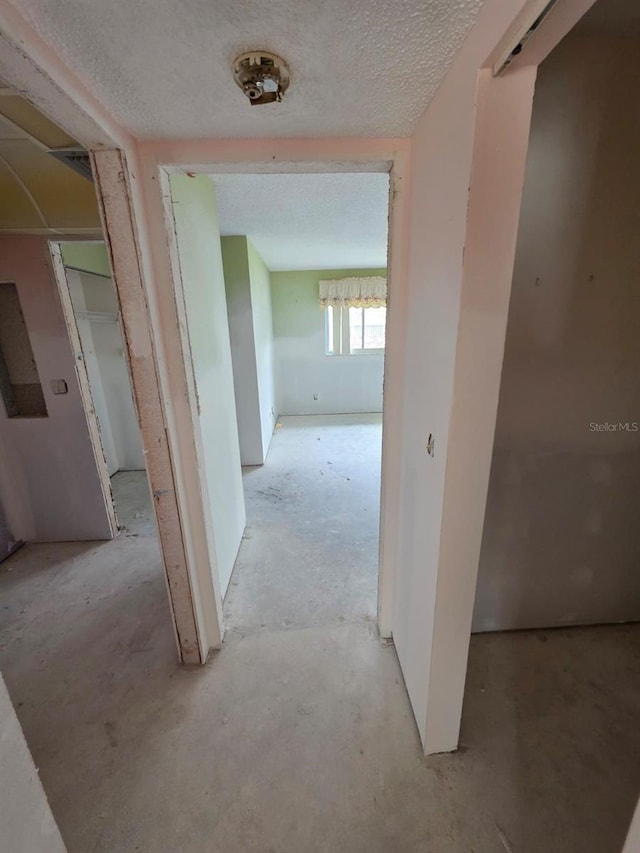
(300,738)
(309,555)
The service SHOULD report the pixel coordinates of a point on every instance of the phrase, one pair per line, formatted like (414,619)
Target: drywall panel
(49,483)
(200,256)
(561,541)
(303,370)
(261,314)
(243,350)
(25,817)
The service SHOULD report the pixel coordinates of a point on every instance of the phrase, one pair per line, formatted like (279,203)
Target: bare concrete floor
(299,737)
(309,555)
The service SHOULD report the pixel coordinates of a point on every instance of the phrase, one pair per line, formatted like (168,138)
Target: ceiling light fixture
(263,77)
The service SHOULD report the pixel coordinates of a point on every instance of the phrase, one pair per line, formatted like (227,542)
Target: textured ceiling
(298,222)
(616,18)
(163,67)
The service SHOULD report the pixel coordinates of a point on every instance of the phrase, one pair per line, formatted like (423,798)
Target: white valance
(364,292)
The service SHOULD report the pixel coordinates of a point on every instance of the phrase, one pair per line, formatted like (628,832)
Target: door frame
(303,157)
(93,425)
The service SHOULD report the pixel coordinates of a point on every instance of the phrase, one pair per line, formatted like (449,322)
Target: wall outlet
(315,396)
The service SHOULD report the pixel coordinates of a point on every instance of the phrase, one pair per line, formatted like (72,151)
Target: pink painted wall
(49,483)
(439,532)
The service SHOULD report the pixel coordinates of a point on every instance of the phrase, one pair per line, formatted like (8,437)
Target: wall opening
(92,307)
(306,300)
(301,423)
(20,384)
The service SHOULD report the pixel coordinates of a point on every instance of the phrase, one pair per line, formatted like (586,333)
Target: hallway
(298,736)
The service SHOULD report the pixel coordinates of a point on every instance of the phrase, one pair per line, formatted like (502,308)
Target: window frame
(341,333)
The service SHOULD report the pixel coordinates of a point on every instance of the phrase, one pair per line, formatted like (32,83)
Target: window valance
(364,292)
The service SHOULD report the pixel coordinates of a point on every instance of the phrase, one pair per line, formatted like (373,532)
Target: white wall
(243,353)
(109,347)
(561,539)
(103,346)
(49,482)
(26,822)
(468,156)
(251,335)
(200,256)
(261,313)
(343,384)
(83,323)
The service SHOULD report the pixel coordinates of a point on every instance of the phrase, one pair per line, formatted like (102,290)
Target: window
(366,328)
(354,331)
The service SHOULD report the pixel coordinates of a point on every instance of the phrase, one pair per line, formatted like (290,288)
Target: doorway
(304,290)
(90,306)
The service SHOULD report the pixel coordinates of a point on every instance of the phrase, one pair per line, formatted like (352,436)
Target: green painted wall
(81,255)
(294,299)
(198,238)
(260,278)
(350,383)
(247,282)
